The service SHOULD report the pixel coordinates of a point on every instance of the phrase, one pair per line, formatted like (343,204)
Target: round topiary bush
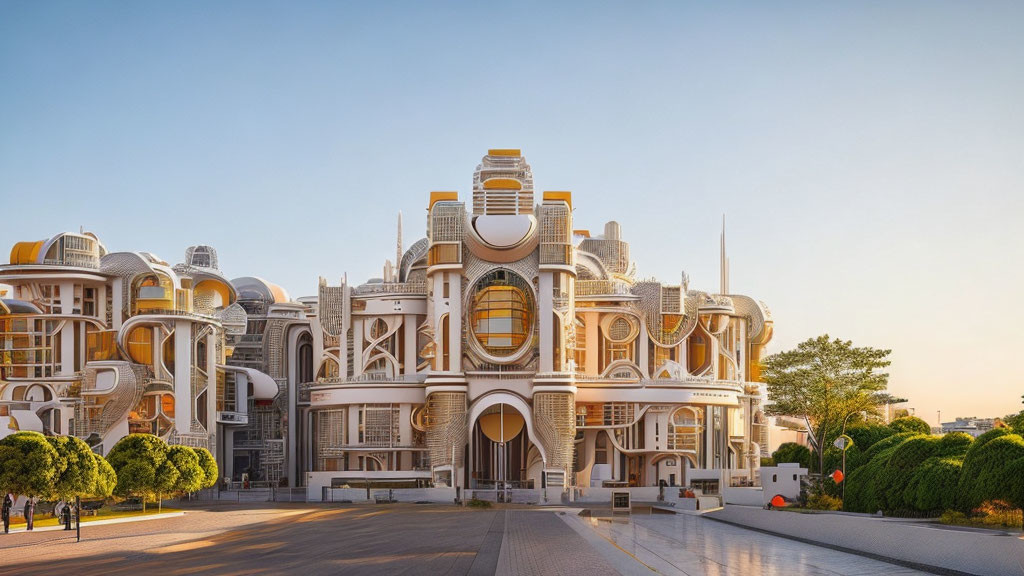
(792,452)
(988,470)
(910,424)
(936,483)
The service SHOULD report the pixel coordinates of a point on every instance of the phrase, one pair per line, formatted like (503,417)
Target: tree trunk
(821,469)
(160,503)
(143,504)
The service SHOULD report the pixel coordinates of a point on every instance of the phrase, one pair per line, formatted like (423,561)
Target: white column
(545,309)
(242,392)
(158,351)
(117,302)
(353,427)
(211,385)
(455,320)
(343,348)
(644,352)
(405,425)
(101,302)
(410,343)
(593,335)
(227,459)
(357,347)
(709,443)
(67,332)
(183,376)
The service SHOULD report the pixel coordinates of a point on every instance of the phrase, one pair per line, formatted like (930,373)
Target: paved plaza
(421,539)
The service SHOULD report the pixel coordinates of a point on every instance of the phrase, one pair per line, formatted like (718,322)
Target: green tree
(209,465)
(824,381)
(140,462)
(792,452)
(28,464)
(910,424)
(76,468)
(190,473)
(1015,421)
(106,478)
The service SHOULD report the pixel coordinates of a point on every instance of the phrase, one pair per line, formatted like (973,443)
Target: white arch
(513,400)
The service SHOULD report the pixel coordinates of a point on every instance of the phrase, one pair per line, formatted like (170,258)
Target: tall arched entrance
(501,449)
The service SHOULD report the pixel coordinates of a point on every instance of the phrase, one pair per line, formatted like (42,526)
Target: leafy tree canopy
(140,462)
(76,468)
(824,381)
(27,464)
(106,478)
(209,466)
(190,475)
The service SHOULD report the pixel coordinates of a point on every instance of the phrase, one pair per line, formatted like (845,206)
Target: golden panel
(503,184)
(504,152)
(558,195)
(26,252)
(436,197)
(214,286)
(492,425)
(140,345)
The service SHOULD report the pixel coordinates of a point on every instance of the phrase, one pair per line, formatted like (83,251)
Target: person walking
(8,505)
(30,512)
(66,516)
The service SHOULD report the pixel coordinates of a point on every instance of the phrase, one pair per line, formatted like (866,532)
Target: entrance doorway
(500,447)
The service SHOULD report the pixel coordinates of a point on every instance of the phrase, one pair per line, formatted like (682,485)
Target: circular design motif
(620,329)
(502,313)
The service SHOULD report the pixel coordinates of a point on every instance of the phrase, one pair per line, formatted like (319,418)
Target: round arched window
(502,313)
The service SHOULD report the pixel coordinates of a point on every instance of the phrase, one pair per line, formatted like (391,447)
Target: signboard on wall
(620,501)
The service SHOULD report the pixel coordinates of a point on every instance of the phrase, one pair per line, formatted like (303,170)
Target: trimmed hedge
(910,424)
(987,472)
(913,472)
(936,484)
(792,452)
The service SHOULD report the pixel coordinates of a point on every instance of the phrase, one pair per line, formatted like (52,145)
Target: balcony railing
(392,288)
(602,288)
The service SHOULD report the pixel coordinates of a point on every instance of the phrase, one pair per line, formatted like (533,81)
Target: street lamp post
(844,447)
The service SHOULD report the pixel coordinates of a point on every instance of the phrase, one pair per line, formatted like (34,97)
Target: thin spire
(723,264)
(399,251)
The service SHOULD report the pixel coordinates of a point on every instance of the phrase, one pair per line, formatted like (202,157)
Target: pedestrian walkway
(678,544)
(540,543)
(88,523)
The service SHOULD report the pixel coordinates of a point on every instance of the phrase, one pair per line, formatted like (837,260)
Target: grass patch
(43,520)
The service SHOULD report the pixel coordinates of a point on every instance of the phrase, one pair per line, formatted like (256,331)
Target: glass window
(502,313)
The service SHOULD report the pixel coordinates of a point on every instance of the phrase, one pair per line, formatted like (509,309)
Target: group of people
(62,510)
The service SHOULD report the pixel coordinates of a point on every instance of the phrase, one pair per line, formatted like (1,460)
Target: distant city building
(971,425)
(503,349)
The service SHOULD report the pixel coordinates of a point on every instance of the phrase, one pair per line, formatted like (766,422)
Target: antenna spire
(399,251)
(723,264)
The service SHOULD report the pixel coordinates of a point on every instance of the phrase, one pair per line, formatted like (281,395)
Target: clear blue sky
(870,157)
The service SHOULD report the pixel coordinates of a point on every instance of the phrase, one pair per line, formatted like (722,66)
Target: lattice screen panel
(446,426)
(554,417)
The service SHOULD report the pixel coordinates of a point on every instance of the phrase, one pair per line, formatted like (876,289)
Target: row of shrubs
(902,469)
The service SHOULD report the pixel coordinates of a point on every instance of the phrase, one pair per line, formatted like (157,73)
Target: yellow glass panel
(491,425)
(502,313)
(140,345)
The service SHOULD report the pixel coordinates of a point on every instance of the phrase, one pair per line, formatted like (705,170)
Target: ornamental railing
(602,288)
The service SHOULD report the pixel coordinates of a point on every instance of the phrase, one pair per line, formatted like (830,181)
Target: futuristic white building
(506,349)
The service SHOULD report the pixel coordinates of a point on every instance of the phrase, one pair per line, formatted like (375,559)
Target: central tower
(501,298)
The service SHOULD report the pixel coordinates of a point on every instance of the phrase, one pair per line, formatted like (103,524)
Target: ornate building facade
(505,349)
